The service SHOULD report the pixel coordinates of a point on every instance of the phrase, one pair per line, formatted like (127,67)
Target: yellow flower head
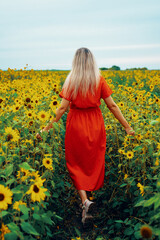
(11,135)
(37,192)
(129,154)
(146,232)
(17,203)
(4,229)
(141,187)
(47,162)
(125,176)
(43,116)
(23,174)
(5,197)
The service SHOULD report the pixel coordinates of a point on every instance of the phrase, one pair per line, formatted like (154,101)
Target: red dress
(85,139)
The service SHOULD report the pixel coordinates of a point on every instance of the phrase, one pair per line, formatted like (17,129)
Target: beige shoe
(87,219)
(89,206)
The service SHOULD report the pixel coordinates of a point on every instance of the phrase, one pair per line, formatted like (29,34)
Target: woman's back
(90,100)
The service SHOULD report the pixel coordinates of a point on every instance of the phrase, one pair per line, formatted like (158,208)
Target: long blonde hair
(84,75)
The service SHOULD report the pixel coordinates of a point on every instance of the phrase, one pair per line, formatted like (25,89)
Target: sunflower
(121,104)
(37,179)
(146,231)
(121,151)
(30,114)
(54,97)
(125,176)
(129,89)
(108,127)
(139,136)
(157,162)
(23,174)
(47,162)
(157,100)
(37,192)
(148,94)
(151,101)
(4,229)
(17,203)
(141,85)
(158,145)
(5,197)
(35,175)
(130,154)
(141,187)
(2,100)
(134,115)
(151,87)
(11,135)
(15,107)
(43,116)
(109,80)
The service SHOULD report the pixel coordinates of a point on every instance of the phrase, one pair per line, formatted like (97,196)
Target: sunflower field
(37,197)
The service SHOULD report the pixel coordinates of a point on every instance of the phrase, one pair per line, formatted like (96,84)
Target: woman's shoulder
(102,80)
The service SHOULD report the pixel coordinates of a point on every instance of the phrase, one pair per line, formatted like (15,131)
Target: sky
(45,34)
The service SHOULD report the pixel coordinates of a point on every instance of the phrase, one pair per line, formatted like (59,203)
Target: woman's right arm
(118,114)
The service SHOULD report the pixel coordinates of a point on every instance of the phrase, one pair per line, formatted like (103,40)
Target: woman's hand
(38,136)
(130,131)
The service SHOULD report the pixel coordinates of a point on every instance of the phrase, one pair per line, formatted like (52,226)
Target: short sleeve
(105,89)
(61,94)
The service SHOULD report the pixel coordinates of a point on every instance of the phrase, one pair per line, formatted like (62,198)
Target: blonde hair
(84,75)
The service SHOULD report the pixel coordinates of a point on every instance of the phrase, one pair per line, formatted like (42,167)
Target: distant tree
(103,68)
(114,67)
(144,68)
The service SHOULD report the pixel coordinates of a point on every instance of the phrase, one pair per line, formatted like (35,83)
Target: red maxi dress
(85,139)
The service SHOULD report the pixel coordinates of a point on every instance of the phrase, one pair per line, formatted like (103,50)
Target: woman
(85,138)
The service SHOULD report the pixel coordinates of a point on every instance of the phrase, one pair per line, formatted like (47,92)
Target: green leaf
(157,201)
(27,227)
(124,184)
(55,195)
(128,231)
(156,231)
(77,231)
(68,184)
(17,189)
(119,221)
(4,213)
(8,170)
(154,122)
(139,203)
(137,226)
(137,235)
(11,236)
(58,217)
(138,148)
(36,216)
(25,211)
(47,194)
(149,202)
(10,181)
(15,229)
(55,125)
(26,166)
(2,159)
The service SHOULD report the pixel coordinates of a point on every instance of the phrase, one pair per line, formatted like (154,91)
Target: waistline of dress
(84,109)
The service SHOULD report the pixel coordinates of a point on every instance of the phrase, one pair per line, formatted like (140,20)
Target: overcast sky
(46,33)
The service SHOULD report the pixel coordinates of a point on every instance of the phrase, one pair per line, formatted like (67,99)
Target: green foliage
(123,205)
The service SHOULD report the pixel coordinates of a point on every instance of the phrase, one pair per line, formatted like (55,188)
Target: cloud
(129,61)
(127,47)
